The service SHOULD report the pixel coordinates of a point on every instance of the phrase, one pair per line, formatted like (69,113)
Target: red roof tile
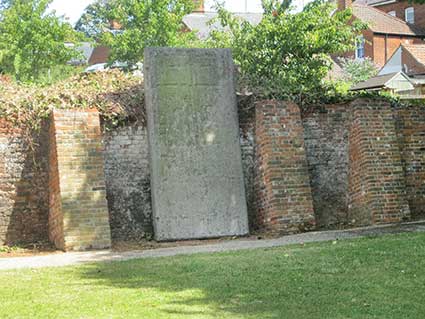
(100,55)
(417,51)
(381,22)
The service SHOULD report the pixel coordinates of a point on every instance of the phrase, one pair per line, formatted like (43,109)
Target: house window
(360,48)
(410,15)
(392,13)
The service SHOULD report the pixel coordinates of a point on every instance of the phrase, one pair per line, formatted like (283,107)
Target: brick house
(403,74)
(100,55)
(384,35)
(410,12)
(408,58)
(394,83)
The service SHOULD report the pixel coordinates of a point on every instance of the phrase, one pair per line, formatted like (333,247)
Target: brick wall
(366,162)
(380,48)
(56,234)
(377,186)
(284,199)
(384,46)
(411,122)
(326,130)
(400,6)
(357,164)
(23,191)
(128,183)
(81,219)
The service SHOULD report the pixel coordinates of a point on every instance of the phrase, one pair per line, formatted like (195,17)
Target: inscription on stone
(196,166)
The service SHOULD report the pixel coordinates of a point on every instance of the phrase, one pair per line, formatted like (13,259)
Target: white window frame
(409,15)
(360,48)
(392,13)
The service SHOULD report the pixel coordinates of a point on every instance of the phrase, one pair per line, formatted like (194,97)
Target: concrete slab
(196,165)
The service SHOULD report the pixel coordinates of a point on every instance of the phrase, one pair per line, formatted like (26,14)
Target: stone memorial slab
(196,166)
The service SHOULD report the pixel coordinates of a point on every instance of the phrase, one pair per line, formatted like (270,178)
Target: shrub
(287,55)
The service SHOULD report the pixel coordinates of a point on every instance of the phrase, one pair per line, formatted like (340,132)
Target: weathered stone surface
(246,110)
(326,130)
(24,192)
(197,180)
(128,183)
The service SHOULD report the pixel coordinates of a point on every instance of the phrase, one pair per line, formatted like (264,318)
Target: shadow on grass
(361,279)
(215,284)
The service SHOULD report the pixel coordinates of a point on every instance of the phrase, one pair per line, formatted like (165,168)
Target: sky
(73,9)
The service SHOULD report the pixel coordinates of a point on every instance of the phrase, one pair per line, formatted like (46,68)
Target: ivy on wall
(118,97)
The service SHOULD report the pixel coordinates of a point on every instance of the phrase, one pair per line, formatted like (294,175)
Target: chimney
(199,6)
(344,4)
(115,25)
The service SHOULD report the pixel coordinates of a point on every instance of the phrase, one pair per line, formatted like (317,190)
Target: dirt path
(74,258)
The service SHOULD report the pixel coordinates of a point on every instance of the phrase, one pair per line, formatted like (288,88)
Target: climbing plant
(119,98)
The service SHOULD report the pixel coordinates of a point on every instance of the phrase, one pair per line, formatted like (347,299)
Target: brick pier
(78,210)
(377,187)
(284,199)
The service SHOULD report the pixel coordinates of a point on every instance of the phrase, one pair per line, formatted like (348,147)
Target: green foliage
(59,73)
(8,249)
(334,91)
(117,96)
(358,70)
(145,23)
(287,55)
(32,39)
(93,21)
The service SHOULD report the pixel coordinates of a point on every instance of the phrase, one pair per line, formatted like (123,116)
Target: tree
(358,70)
(145,23)
(287,55)
(93,21)
(32,39)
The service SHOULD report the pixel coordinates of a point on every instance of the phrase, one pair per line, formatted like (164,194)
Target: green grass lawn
(381,277)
